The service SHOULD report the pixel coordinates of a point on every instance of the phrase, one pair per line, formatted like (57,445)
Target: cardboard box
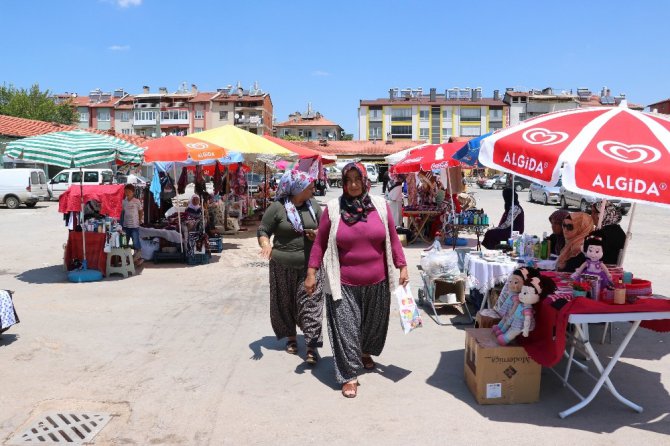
(443,287)
(403,239)
(499,374)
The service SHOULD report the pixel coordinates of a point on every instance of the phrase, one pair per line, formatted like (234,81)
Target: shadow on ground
(6,339)
(47,274)
(604,415)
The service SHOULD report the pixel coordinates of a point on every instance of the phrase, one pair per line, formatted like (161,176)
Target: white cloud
(119,48)
(128,3)
(320,73)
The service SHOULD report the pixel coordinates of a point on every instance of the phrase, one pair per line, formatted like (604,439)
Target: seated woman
(557,239)
(513,213)
(614,238)
(576,227)
(194,209)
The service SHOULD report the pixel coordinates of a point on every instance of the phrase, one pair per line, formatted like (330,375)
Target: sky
(333,54)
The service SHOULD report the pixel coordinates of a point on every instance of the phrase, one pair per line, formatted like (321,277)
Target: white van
(27,186)
(373,173)
(66,178)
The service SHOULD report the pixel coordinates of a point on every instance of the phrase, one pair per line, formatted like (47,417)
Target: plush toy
(518,317)
(593,250)
(511,289)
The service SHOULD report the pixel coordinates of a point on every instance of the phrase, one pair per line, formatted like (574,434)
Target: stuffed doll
(511,289)
(518,318)
(593,250)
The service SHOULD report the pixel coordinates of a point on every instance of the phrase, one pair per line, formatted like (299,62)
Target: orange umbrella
(181,148)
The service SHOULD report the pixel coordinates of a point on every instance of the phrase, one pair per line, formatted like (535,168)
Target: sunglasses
(568,226)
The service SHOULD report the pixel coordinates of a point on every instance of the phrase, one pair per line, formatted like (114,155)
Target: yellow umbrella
(235,139)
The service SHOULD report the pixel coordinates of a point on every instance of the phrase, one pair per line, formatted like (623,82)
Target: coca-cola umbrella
(429,157)
(612,153)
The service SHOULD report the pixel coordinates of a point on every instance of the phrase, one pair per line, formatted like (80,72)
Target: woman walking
(293,219)
(359,249)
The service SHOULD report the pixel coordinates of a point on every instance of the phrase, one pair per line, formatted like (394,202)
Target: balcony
(144,122)
(375,117)
(251,121)
(175,121)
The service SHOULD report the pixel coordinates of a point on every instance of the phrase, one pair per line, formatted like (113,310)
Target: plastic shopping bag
(409,313)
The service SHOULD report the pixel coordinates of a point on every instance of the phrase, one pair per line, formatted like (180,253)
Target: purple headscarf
(292,183)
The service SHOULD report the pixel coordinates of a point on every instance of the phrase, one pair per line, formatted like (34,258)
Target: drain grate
(73,428)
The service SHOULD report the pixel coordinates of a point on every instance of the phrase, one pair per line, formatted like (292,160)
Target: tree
(348,137)
(292,138)
(35,104)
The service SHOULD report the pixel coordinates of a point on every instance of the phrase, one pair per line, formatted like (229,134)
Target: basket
(216,244)
(639,287)
(197,259)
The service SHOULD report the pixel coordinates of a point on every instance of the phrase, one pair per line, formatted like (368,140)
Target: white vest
(331,258)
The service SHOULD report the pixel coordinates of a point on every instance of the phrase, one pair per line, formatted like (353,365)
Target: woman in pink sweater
(359,249)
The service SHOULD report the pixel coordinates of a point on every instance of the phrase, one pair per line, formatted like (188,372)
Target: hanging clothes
(218,179)
(183,180)
(8,316)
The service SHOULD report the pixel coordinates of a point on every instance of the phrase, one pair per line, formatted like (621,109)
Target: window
(76,177)
(125,131)
(471,131)
(300,133)
(199,114)
(401,114)
(174,115)
(198,129)
(223,115)
(107,177)
(495,114)
(471,114)
(424,134)
(83,117)
(446,113)
(125,116)
(103,115)
(62,177)
(446,132)
(375,131)
(34,178)
(375,114)
(495,126)
(145,116)
(43,178)
(286,132)
(90,177)
(401,131)
(424,115)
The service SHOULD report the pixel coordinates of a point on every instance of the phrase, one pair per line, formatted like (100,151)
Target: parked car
(505,180)
(545,194)
(489,183)
(22,186)
(66,178)
(334,176)
(373,173)
(254,180)
(131,179)
(584,202)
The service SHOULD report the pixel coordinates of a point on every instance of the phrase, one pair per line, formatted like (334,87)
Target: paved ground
(186,355)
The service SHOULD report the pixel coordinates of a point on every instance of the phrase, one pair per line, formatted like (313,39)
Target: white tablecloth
(167,234)
(484,275)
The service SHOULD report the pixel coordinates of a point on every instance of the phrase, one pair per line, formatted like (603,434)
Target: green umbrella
(75,148)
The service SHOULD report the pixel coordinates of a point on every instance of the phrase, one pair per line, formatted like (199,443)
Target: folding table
(581,322)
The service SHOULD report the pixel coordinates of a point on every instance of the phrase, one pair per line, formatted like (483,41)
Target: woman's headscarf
(612,213)
(355,209)
(508,193)
(192,205)
(292,183)
(557,217)
(582,225)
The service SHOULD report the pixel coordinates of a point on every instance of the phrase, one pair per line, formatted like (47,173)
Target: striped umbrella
(75,148)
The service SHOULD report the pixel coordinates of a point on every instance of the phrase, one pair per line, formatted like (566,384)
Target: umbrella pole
(181,236)
(81,216)
(511,228)
(265,189)
(629,234)
(225,204)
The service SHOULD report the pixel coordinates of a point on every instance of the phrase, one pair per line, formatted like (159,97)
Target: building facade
(310,126)
(411,114)
(186,111)
(660,107)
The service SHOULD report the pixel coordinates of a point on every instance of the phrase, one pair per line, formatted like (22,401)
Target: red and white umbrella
(429,157)
(607,152)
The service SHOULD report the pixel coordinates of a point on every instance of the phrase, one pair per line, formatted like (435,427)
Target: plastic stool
(127,265)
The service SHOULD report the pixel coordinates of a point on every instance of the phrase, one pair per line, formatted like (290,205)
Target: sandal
(368,363)
(292,347)
(350,389)
(312,357)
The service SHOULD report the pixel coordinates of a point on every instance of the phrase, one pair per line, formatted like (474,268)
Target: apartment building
(310,126)
(434,117)
(185,111)
(528,103)
(661,107)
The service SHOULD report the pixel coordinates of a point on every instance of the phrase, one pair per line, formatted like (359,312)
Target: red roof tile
(307,122)
(205,96)
(594,101)
(369,148)
(23,128)
(659,102)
